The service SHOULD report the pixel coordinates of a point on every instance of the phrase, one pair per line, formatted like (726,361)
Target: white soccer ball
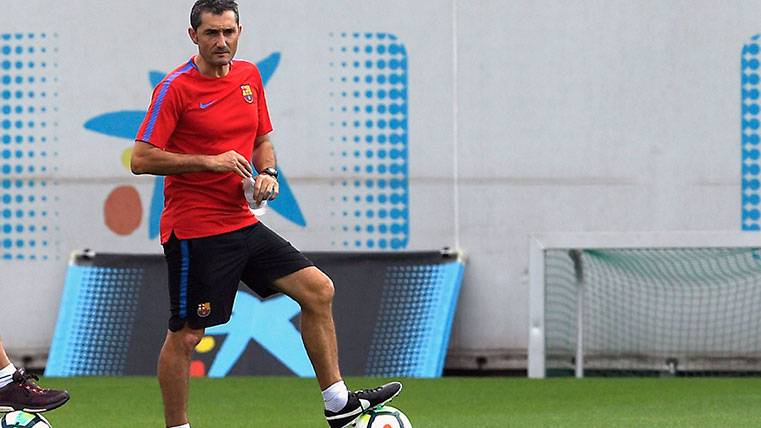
(19,419)
(384,417)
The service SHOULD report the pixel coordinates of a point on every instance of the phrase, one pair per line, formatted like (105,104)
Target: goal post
(644,301)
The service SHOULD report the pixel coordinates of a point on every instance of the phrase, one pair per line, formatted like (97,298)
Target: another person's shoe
(361,402)
(24,394)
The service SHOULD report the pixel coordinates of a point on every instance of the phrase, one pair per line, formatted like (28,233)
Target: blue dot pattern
(369,141)
(27,134)
(414,320)
(95,321)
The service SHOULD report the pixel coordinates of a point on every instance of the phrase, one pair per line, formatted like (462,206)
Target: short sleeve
(162,116)
(265,125)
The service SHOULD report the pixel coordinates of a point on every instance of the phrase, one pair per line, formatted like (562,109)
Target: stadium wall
(493,120)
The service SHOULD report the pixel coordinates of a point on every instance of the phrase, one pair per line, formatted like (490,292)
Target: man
(207,122)
(19,392)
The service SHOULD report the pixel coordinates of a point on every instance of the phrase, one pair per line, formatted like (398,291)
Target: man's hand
(265,188)
(231,161)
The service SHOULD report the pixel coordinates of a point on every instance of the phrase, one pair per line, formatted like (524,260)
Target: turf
(247,402)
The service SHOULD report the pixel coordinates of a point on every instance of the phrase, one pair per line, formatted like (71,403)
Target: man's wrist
(202,162)
(271,171)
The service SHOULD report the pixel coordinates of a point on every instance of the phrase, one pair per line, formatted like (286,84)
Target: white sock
(335,396)
(182,426)
(6,375)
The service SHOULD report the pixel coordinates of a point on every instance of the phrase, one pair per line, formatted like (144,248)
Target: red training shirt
(194,114)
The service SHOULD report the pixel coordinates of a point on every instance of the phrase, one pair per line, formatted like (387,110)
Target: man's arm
(266,186)
(149,159)
(264,153)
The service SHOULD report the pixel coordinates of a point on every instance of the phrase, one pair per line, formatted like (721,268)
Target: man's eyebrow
(215,30)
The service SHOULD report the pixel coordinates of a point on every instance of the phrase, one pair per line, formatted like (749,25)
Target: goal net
(657,303)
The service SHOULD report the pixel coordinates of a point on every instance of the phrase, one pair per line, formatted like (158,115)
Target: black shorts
(204,272)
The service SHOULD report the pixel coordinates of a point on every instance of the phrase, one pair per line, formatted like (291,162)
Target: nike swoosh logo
(203,106)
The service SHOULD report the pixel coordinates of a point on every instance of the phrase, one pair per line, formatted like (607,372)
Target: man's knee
(186,339)
(321,291)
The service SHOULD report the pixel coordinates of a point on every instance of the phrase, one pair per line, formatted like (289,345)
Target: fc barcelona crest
(248,94)
(204,309)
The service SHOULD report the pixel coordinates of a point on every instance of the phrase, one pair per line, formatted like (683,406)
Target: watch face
(270,171)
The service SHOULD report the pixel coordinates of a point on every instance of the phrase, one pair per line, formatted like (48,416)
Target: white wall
(571,116)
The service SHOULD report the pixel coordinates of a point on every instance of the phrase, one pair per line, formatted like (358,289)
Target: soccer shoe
(360,402)
(24,394)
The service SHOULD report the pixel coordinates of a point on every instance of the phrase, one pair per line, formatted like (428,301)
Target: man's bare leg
(174,373)
(313,290)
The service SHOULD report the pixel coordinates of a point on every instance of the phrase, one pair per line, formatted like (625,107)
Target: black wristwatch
(272,172)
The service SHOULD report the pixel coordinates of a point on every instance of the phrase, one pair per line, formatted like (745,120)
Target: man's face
(216,37)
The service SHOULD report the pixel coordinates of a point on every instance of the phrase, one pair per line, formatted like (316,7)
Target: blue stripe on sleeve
(160,99)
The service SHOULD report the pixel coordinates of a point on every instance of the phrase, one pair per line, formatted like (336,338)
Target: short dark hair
(217,7)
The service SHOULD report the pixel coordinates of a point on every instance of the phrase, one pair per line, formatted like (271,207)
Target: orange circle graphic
(123,210)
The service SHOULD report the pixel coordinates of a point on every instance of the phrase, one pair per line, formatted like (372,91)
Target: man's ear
(193,35)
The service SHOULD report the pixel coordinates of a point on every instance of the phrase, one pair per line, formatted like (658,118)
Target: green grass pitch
(248,402)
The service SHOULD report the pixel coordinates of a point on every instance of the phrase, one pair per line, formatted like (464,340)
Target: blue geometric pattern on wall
(750,102)
(94,325)
(369,142)
(414,320)
(28,106)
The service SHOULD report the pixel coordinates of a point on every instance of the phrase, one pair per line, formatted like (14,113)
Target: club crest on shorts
(248,94)
(204,309)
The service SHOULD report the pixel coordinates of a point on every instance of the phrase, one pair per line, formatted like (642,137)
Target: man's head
(215,28)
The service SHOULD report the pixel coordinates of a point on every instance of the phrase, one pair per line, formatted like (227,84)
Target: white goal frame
(539,243)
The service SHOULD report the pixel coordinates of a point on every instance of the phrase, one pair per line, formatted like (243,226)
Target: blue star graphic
(125,124)
(269,323)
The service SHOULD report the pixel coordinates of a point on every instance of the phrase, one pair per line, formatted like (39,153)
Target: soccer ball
(21,419)
(384,417)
